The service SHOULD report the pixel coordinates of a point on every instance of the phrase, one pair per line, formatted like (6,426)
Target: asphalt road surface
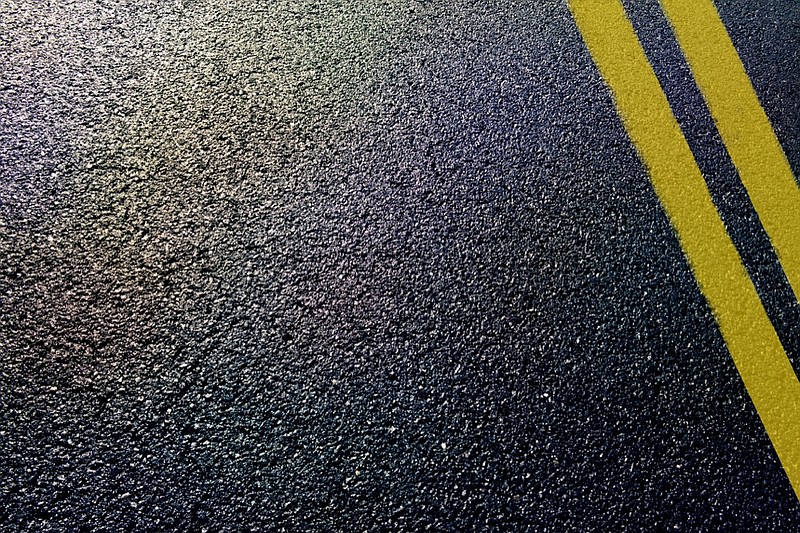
(333,265)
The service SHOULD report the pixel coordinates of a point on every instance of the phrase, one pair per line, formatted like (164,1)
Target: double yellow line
(751,143)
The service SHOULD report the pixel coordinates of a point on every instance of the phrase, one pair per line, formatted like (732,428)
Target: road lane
(759,356)
(743,125)
(330,265)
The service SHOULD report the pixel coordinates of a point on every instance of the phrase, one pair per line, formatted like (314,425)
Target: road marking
(743,126)
(751,339)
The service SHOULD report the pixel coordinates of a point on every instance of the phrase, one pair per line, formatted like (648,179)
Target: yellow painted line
(751,339)
(743,126)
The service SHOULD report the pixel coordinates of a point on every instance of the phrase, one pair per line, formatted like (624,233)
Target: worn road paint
(743,126)
(751,339)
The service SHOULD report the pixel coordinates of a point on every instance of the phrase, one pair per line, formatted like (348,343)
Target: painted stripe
(751,339)
(743,126)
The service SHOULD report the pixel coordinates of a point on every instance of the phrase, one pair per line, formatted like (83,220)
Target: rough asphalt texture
(377,265)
